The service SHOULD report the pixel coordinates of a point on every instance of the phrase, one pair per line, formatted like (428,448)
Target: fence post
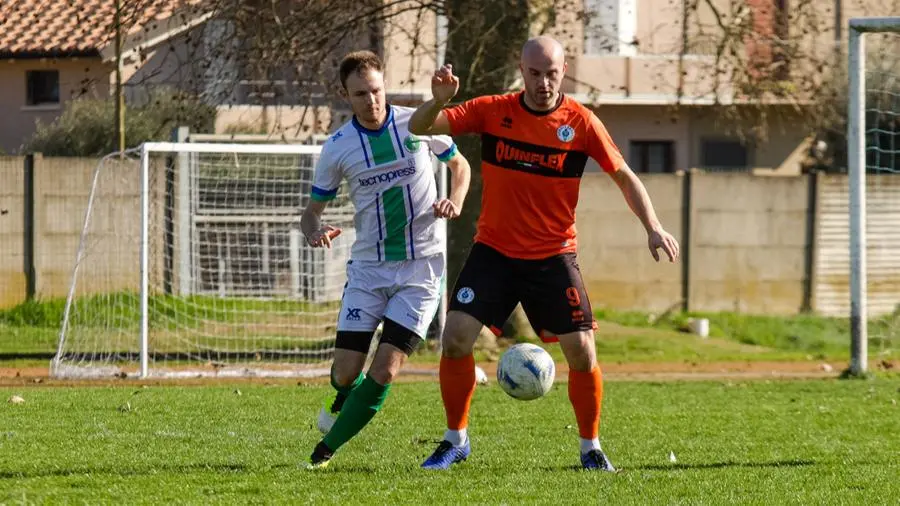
(28,228)
(812,240)
(179,253)
(687,218)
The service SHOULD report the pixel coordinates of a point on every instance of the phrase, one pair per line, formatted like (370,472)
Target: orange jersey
(531,164)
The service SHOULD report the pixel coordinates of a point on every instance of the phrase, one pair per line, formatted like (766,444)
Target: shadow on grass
(687,467)
(349,468)
(128,471)
(723,465)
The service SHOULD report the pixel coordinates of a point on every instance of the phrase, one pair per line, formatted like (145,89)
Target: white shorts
(406,291)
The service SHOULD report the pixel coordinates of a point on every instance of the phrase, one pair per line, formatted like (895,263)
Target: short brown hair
(357,62)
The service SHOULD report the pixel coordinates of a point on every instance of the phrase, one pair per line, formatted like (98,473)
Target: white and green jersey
(392,185)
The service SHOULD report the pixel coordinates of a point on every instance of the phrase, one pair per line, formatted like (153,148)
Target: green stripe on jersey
(382,147)
(395,221)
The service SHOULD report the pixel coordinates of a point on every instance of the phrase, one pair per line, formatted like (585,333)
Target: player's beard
(374,115)
(544,99)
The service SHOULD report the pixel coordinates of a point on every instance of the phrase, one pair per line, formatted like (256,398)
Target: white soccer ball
(526,371)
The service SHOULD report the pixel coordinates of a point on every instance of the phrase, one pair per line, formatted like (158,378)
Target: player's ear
(565,67)
(343,93)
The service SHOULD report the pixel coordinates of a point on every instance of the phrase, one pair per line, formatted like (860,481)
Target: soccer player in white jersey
(397,261)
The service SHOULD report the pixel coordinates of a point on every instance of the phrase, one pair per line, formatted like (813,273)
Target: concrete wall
(748,243)
(12,206)
(616,265)
(61,190)
(746,251)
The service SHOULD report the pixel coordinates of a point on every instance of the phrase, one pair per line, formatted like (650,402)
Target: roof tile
(73,26)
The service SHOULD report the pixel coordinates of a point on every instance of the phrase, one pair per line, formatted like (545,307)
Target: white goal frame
(856,160)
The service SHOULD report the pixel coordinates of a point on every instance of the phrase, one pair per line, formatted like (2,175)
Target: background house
(649,71)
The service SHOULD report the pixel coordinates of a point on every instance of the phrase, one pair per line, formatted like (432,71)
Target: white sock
(589,444)
(456,437)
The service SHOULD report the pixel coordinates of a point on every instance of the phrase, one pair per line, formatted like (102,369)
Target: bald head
(543,49)
(543,67)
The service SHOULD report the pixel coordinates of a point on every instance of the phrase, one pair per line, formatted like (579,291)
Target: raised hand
(444,84)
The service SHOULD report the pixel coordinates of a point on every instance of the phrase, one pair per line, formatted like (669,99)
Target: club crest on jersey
(412,143)
(565,133)
(465,295)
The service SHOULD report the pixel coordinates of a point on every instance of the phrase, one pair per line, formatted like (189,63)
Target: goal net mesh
(231,286)
(882,132)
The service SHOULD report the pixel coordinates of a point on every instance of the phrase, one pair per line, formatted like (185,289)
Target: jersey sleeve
(468,117)
(601,147)
(443,147)
(328,174)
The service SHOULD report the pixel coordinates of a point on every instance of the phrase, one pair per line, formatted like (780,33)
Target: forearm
(460,178)
(639,201)
(422,120)
(310,222)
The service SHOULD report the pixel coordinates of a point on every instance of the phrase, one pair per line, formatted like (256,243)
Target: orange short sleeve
(468,117)
(601,147)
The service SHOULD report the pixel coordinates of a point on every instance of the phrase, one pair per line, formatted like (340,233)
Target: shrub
(87,126)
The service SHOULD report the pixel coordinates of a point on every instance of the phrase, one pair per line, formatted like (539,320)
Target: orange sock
(586,395)
(457,377)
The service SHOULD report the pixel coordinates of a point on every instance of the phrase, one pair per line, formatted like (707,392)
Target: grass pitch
(761,442)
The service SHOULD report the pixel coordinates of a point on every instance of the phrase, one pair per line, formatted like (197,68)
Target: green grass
(812,335)
(26,340)
(778,442)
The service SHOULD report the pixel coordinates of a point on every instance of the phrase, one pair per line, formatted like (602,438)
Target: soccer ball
(526,371)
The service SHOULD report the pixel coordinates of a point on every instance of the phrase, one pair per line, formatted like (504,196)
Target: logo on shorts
(465,295)
(565,133)
(353,314)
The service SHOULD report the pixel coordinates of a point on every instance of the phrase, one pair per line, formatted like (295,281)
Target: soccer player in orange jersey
(534,147)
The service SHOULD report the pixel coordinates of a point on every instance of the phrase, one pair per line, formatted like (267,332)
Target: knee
(383,375)
(456,344)
(581,354)
(458,339)
(344,374)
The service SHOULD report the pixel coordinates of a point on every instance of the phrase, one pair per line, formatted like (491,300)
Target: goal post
(191,262)
(858,131)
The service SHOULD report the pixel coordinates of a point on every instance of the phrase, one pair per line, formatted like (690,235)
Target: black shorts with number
(550,289)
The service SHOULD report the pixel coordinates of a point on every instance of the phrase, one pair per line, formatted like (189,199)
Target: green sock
(361,406)
(343,391)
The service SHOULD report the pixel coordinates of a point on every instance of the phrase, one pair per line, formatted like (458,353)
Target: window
(42,87)
(652,156)
(724,154)
(609,27)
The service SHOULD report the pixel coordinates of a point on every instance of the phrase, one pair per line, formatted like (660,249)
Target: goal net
(874,170)
(191,262)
